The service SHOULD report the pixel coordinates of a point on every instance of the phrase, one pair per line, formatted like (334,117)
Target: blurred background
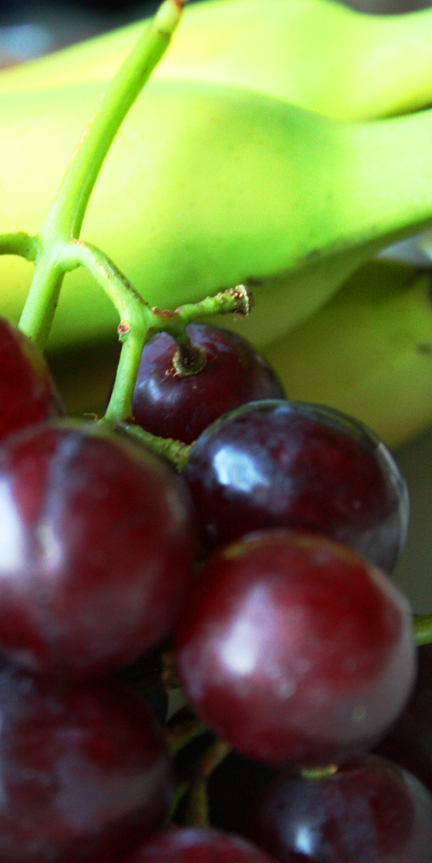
(29,29)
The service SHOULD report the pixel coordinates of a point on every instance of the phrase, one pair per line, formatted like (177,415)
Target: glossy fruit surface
(307,467)
(181,407)
(27,391)
(369,812)
(196,845)
(410,740)
(84,772)
(96,547)
(295,650)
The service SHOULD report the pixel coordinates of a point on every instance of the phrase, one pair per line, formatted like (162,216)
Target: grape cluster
(261,577)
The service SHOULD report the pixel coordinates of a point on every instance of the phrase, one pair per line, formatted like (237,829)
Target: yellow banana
(368,351)
(316,53)
(208,186)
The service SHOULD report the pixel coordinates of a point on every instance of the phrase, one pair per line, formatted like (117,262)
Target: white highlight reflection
(238,470)
(11,534)
(239,652)
(304,840)
(243,646)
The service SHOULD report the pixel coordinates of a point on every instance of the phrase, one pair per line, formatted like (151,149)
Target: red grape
(288,464)
(295,650)
(181,407)
(195,845)
(369,812)
(410,740)
(27,390)
(96,547)
(84,774)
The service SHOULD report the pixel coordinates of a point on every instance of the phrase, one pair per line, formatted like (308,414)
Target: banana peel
(318,54)
(207,186)
(368,351)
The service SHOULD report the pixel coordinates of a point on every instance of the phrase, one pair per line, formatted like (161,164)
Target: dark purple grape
(295,650)
(84,774)
(196,845)
(96,548)
(410,741)
(306,467)
(369,812)
(27,390)
(177,406)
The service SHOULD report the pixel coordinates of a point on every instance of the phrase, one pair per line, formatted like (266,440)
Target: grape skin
(410,740)
(97,545)
(181,407)
(295,649)
(211,843)
(195,845)
(84,773)
(369,812)
(27,391)
(306,467)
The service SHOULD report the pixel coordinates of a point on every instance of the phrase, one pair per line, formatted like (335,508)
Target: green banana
(208,186)
(316,53)
(221,184)
(368,351)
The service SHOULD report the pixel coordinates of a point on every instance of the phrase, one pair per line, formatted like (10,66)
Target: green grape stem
(179,732)
(19,243)
(52,249)
(176,452)
(197,812)
(139,323)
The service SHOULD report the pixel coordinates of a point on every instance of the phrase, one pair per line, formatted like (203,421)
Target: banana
(207,186)
(368,351)
(318,54)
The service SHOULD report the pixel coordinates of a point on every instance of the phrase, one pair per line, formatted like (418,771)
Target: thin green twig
(63,223)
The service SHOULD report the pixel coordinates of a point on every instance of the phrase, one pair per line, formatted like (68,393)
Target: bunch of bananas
(280,143)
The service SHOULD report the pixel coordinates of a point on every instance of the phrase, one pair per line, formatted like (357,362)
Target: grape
(410,740)
(287,464)
(180,407)
(195,845)
(96,547)
(27,391)
(84,774)
(369,812)
(295,650)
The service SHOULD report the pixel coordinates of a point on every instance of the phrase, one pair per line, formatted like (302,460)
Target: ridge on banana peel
(207,186)
(368,351)
(318,54)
